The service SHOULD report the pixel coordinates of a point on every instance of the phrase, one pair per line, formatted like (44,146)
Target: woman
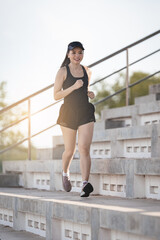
(76,114)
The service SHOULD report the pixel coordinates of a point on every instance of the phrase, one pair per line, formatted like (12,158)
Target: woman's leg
(85,134)
(69,136)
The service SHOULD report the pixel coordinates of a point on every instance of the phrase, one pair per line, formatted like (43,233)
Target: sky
(34,35)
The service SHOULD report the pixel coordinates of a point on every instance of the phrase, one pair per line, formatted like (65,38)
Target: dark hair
(66,61)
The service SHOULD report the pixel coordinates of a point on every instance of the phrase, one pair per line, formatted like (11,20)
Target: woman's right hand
(78,84)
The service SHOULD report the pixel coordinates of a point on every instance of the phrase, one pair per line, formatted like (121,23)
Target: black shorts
(74,117)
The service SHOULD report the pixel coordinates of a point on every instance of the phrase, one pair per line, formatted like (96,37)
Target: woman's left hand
(91,94)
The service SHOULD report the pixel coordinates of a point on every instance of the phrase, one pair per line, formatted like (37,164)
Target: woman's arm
(89,73)
(59,93)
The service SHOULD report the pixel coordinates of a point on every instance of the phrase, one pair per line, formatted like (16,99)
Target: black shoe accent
(86,190)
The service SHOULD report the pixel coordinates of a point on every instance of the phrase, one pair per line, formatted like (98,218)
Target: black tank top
(78,97)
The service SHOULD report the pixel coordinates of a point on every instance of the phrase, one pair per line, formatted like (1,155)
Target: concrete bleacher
(59,215)
(8,233)
(125,173)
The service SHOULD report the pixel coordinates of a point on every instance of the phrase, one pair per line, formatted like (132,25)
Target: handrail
(124,49)
(90,66)
(44,89)
(123,89)
(32,114)
(26,98)
(52,85)
(119,70)
(96,103)
(26,139)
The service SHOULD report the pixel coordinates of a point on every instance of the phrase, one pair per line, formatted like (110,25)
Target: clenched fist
(78,84)
(90,94)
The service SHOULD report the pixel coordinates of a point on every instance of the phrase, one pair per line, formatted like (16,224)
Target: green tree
(8,137)
(119,100)
(141,89)
(2,95)
(100,93)
(11,136)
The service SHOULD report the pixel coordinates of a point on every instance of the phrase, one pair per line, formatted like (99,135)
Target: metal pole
(127,78)
(29,129)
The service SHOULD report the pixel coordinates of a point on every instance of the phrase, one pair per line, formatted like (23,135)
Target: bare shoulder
(88,70)
(62,73)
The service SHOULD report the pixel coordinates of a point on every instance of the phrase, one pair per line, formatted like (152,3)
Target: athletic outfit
(76,110)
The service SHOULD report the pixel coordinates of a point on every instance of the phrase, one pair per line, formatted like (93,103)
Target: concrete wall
(44,153)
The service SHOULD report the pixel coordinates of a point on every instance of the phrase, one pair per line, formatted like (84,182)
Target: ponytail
(66,60)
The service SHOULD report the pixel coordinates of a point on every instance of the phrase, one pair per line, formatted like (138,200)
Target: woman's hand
(91,94)
(78,84)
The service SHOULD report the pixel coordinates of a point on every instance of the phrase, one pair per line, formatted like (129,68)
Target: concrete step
(127,142)
(141,113)
(67,216)
(147,99)
(131,142)
(8,233)
(121,177)
(9,180)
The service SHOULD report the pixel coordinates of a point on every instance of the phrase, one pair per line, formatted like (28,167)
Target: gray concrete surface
(108,212)
(7,233)
(148,205)
(133,169)
(9,180)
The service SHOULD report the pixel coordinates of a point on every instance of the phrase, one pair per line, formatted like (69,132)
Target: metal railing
(28,99)
(125,49)
(123,89)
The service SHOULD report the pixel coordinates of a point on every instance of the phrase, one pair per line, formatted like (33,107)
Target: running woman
(76,114)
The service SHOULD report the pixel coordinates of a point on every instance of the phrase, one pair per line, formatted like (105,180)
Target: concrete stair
(9,180)
(8,233)
(121,177)
(58,215)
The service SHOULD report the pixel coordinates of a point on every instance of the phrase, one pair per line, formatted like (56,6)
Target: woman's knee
(84,149)
(69,153)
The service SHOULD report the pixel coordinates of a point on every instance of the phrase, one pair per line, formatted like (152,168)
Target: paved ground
(7,233)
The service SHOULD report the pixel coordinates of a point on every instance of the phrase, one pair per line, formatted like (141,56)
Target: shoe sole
(87,190)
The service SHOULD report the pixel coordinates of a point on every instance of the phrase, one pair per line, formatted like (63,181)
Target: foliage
(17,153)
(2,94)
(141,89)
(119,100)
(13,134)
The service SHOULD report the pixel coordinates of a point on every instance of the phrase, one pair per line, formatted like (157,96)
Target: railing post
(29,129)
(127,78)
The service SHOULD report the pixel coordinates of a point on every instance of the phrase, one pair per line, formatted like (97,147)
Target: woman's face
(76,55)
